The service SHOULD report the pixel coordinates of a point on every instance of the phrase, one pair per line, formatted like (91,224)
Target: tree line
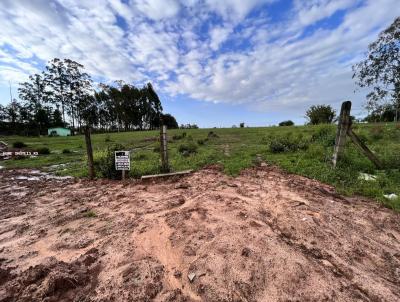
(64,95)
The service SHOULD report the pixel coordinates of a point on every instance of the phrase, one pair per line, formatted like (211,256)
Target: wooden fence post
(89,151)
(344,124)
(164,149)
(344,128)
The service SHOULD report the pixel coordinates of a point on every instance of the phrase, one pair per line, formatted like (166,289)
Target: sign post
(122,162)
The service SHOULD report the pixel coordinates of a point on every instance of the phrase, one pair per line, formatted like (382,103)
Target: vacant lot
(304,150)
(261,236)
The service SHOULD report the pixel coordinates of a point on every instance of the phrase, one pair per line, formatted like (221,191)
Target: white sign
(122,161)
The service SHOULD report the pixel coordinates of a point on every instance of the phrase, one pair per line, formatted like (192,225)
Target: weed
(187,149)
(325,135)
(106,163)
(376,132)
(179,136)
(43,151)
(200,142)
(211,134)
(66,151)
(19,144)
(90,214)
(287,144)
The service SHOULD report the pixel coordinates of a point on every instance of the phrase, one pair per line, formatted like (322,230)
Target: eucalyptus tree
(80,90)
(380,70)
(58,80)
(35,94)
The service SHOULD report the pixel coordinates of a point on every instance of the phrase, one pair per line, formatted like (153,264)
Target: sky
(215,63)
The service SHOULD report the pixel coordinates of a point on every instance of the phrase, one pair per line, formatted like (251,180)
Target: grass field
(304,150)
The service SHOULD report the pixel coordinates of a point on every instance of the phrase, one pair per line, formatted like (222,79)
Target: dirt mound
(55,280)
(262,236)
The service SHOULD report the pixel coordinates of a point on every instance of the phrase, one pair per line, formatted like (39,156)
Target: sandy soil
(263,236)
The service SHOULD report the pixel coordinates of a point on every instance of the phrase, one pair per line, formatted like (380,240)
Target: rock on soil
(262,236)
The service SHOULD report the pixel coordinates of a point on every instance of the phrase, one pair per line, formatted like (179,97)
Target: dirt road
(263,236)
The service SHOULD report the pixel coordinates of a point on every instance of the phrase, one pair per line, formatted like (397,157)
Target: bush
(325,135)
(106,163)
(107,139)
(43,151)
(286,123)
(211,134)
(241,125)
(200,141)
(187,148)
(66,151)
(19,145)
(179,136)
(287,144)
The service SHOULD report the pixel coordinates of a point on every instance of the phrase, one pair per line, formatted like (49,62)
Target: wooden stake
(89,151)
(343,127)
(364,149)
(164,149)
(123,174)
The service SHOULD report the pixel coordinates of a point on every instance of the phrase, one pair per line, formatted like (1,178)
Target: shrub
(66,151)
(105,163)
(187,148)
(107,139)
(241,125)
(286,123)
(90,214)
(287,144)
(325,135)
(211,134)
(19,144)
(179,136)
(43,151)
(200,141)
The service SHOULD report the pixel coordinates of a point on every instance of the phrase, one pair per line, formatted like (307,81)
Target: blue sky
(214,63)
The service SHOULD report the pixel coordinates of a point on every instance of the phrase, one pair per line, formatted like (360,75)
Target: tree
(80,90)
(320,114)
(286,123)
(169,121)
(59,81)
(380,70)
(35,95)
(56,119)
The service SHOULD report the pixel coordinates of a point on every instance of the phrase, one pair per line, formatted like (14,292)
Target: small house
(58,131)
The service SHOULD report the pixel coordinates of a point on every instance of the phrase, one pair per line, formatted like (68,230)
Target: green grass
(236,149)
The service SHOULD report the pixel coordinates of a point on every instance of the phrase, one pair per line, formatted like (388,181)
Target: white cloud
(158,9)
(218,35)
(234,8)
(264,65)
(314,10)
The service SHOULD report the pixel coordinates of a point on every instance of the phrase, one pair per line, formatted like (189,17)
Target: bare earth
(263,236)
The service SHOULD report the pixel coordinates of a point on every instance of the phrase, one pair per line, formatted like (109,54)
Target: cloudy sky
(213,62)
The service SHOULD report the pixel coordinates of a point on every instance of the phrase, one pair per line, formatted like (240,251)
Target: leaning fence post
(164,149)
(342,129)
(89,151)
(364,149)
